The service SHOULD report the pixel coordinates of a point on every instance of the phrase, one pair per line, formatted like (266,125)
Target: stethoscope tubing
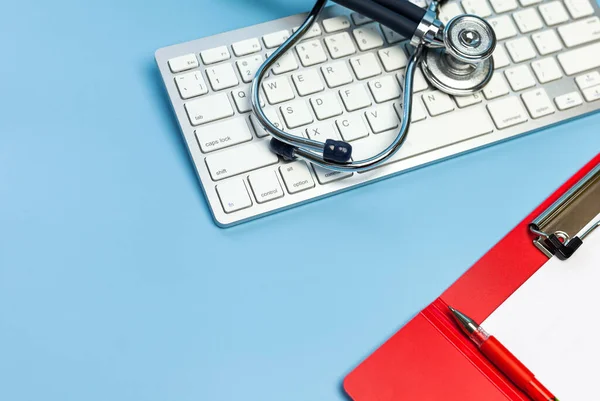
(283,136)
(406,8)
(312,150)
(394,18)
(377,160)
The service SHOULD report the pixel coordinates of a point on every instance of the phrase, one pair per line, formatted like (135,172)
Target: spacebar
(428,135)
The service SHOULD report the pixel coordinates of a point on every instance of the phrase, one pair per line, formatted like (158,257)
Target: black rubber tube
(397,22)
(404,7)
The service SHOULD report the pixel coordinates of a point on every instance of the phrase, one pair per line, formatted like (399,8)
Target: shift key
(240,159)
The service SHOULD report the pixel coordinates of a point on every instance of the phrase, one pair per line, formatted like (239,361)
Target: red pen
(506,362)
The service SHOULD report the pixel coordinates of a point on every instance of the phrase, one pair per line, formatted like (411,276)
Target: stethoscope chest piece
(464,65)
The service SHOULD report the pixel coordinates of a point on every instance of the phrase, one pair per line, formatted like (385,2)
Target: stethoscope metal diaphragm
(464,66)
(469,38)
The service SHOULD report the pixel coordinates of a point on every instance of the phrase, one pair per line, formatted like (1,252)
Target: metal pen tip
(466,324)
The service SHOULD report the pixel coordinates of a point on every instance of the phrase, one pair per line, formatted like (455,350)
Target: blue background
(116,285)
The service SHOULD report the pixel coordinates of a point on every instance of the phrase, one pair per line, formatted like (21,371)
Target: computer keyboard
(343,81)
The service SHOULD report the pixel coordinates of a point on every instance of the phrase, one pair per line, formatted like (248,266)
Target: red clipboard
(429,359)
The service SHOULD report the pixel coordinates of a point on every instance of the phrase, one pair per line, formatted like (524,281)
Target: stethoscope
(455,58)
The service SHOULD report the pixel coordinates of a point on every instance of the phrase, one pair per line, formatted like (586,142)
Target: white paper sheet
(552,323)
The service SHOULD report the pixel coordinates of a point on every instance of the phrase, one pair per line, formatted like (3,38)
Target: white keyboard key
(221,76)
(500,57)
(502,6)
(207,109)
(278,90)
(419,81)
(265,185)
(286,63)
(568,100)
(477,7)
(241,97)
(322,132)
(384,89)
(588,80)
(425,136)
(276,39)
(418,112)
(355,97)
(183,63)
(393,58)
(223,134)
(469,100)
(215,55)
(308,82)
(579,8)
(391,36)
(580,32)
(337,74)
(326,105)
(365,66)
(297,177)
(581,59)
(271,114)
(538,103)
(554,13)
(520,49)
(507,112)
(368,37)
(326,176)
(503,27)
(352,127)
(496,87)
(336,24)
(360,19)
(382,118)
(340,45)
(296,114)
(528,20)
(313,32)
(519,78)
(248,66)
(311,53)
(246,47)
(591,94)
(438,103)
(526,3)
(547,42)
(234,196)
(546,70)
(449,10)
(191,85)
(240,159)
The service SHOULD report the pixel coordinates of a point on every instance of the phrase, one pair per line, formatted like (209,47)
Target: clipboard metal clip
(589,230)
(571,213)
(558,243)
